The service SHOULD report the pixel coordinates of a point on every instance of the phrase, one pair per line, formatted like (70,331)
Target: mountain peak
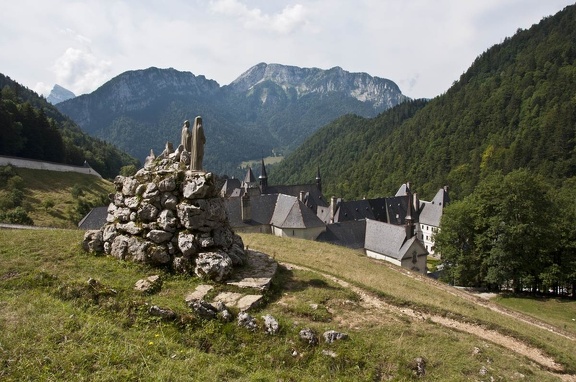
(361,86)
(59,94)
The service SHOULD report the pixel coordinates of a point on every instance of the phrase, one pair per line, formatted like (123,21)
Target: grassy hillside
(56,326)
(55,199)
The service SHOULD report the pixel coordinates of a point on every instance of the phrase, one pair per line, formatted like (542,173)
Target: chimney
(246,209)
(333,202)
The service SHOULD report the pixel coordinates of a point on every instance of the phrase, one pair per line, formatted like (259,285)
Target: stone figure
(186,140)
(197,145)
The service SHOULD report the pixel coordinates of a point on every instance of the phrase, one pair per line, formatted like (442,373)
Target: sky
(421,45)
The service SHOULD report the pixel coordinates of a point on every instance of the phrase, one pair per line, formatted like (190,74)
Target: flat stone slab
(199,293)
(239,300)
(256,273)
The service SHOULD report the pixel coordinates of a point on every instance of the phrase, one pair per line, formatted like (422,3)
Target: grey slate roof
(349,234)
(94,219)
(313,196)
(430,214)
(249,178)
(291,213)
(261,210)
(354,210)
(229,186)
(387,239)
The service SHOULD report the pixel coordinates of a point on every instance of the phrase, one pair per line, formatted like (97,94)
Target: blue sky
(422,45)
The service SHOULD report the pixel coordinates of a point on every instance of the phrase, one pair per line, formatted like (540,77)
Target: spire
(318,179)
(263,176)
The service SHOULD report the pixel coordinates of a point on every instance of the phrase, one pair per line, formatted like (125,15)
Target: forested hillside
(32,128)
(514,108)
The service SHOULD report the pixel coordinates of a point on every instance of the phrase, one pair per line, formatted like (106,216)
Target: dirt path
(511,343)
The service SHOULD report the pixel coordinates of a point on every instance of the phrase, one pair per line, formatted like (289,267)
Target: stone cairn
(170,216)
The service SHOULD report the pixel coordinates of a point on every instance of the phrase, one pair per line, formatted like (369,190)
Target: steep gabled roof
(396,208)
(430,214)
(249,178)
(313,196)
(291,213)
(385,238)
(95,219)
(349,234)
(229,186)
(354,210)
(261,210)
(390,240)
(441,198)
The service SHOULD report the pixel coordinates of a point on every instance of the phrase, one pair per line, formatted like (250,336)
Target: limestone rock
(167,215)
(216,266)
(309,336)
(271,326)
(247,321)
(149,285)
(332,335)
(166,314)
(202,309)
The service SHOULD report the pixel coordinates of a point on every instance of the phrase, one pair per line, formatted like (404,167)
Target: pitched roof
(441,198)
(229,186)
(94,219)
(349,234)
(261,210)
(354,210)
(389,240)
(431,214)
(292,213)
(249,178)
(313,196)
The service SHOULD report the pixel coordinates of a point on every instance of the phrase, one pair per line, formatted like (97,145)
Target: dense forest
(32,128)
(502,138)
(514,108)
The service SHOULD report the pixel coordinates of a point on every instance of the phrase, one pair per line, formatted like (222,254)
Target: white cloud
(290,18)
(80,71)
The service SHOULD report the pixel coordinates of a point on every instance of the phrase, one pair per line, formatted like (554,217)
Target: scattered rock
(149,285)
(203,309)
(240,301)
(419,367)
(332,335)
(309,336)
(271,326)
(199,293)
(166,314)
(329,353)
(247,321)
(223,313)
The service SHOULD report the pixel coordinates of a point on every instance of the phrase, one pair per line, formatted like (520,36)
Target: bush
(16,216)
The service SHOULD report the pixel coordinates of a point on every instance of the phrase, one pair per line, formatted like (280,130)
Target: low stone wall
(40,165)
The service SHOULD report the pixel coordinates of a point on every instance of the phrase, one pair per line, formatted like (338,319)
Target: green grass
(48,195)
(55,326)
(560,312)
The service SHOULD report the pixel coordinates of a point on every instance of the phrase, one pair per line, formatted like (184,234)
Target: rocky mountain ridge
(361,86)
(270,108)
(59,94)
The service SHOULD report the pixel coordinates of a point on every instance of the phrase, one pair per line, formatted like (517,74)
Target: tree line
(32,128)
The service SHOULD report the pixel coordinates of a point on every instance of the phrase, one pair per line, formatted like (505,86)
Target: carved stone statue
(186,140)
(197,145)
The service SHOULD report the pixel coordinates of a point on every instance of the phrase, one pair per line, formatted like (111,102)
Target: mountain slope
(30,127)
(513,108)
(268,108)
